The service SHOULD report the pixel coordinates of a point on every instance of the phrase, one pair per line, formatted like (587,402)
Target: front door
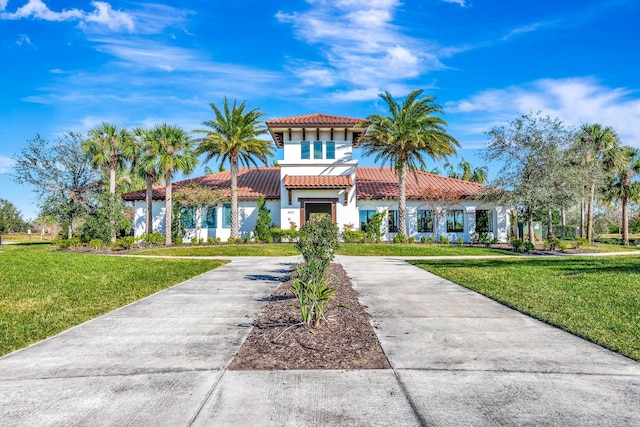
(313,210)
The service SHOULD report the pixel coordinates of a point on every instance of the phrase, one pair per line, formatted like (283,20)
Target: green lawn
(287,249)
(595,298)
(44,292)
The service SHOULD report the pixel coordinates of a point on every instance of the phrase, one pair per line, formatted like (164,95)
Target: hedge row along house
(318,176)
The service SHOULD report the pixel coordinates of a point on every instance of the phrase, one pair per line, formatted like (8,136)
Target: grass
(594,298)
(24,237)
(289,249)
(44,292)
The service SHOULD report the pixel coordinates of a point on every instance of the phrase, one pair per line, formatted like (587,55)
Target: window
(393,221)
(209,219)
(331,150)
(317,149)
(455,222)
(365,218)
(425,221)
(305,150)
(484,221)
(188,217)
(226,215)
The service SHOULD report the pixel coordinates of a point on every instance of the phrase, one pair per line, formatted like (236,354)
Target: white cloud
(574,100)
(3,5)
(362,49)
(462,3)
(24,39)
(6,164)
(103,15)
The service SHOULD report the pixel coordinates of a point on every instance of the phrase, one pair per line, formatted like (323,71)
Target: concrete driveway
(458,358)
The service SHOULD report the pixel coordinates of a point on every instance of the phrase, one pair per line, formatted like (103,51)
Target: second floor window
(331,150)
(317,149)
(305,150)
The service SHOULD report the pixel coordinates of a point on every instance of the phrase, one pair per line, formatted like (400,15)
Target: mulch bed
(345,341)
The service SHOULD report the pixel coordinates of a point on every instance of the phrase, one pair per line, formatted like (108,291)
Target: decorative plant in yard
(317,243)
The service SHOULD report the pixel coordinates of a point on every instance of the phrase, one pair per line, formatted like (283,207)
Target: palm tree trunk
(234,197)
(625,220)
(402,200)
(112,191)
(149,209)
(168,209)
(592,198)
(198,222)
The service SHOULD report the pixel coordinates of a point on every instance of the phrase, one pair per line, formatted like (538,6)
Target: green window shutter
(226,215)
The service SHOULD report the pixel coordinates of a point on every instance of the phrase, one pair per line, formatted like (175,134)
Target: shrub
(123,243)
(399,238)
(444,240)
(353,236)
(263,223)
(177,240)
(61,244)
(373,229)
(153,239)
(412,239)
(246,240)
(211,241)
(529,247)
(96,244)
(423,239)
(460,240)
(551,243)
(517,244)
(230,240)
(431,239)
(580,242)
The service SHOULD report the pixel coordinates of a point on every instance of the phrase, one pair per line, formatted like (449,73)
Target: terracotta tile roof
(311,182)
(382,183)
(371,183)
(313,120)
(251,183)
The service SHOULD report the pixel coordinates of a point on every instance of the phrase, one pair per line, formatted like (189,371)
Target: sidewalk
(458,359)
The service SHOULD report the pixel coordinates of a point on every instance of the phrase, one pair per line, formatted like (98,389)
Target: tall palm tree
(175,152)
(108,147)
(147,166)
(234,136)
(402,138)
(595,141)
(625,163)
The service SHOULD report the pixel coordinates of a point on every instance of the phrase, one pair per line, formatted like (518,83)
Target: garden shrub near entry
(317,243)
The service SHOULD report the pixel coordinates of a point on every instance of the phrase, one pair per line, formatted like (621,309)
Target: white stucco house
(319,176)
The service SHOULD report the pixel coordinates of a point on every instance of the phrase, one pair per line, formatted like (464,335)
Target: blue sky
(70,65)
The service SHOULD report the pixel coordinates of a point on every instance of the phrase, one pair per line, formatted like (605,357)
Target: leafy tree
(200,197)
(109,148)
(176,153)
(529,149)
(404,137)
(440,201)
(10,217)
(593,143)
(61,175)
(107,218)
(625,163)
(234,137)
(263,224)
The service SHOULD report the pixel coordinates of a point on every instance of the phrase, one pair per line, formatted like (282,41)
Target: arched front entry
(311,207)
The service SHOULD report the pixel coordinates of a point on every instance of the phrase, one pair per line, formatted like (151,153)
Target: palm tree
(147,166)
(175,153)
(402,138)
(595,142)
(480,175)
(625,162)
(109,148)
(234,136)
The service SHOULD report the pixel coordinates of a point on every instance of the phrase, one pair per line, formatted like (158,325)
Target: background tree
(592,145)
(404,137)
(440,201)
(176,153)
(625,163)
(528,148)
(234,137)
(10,217)
(109,148)
(466,172)
(61,175)
(194,195)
